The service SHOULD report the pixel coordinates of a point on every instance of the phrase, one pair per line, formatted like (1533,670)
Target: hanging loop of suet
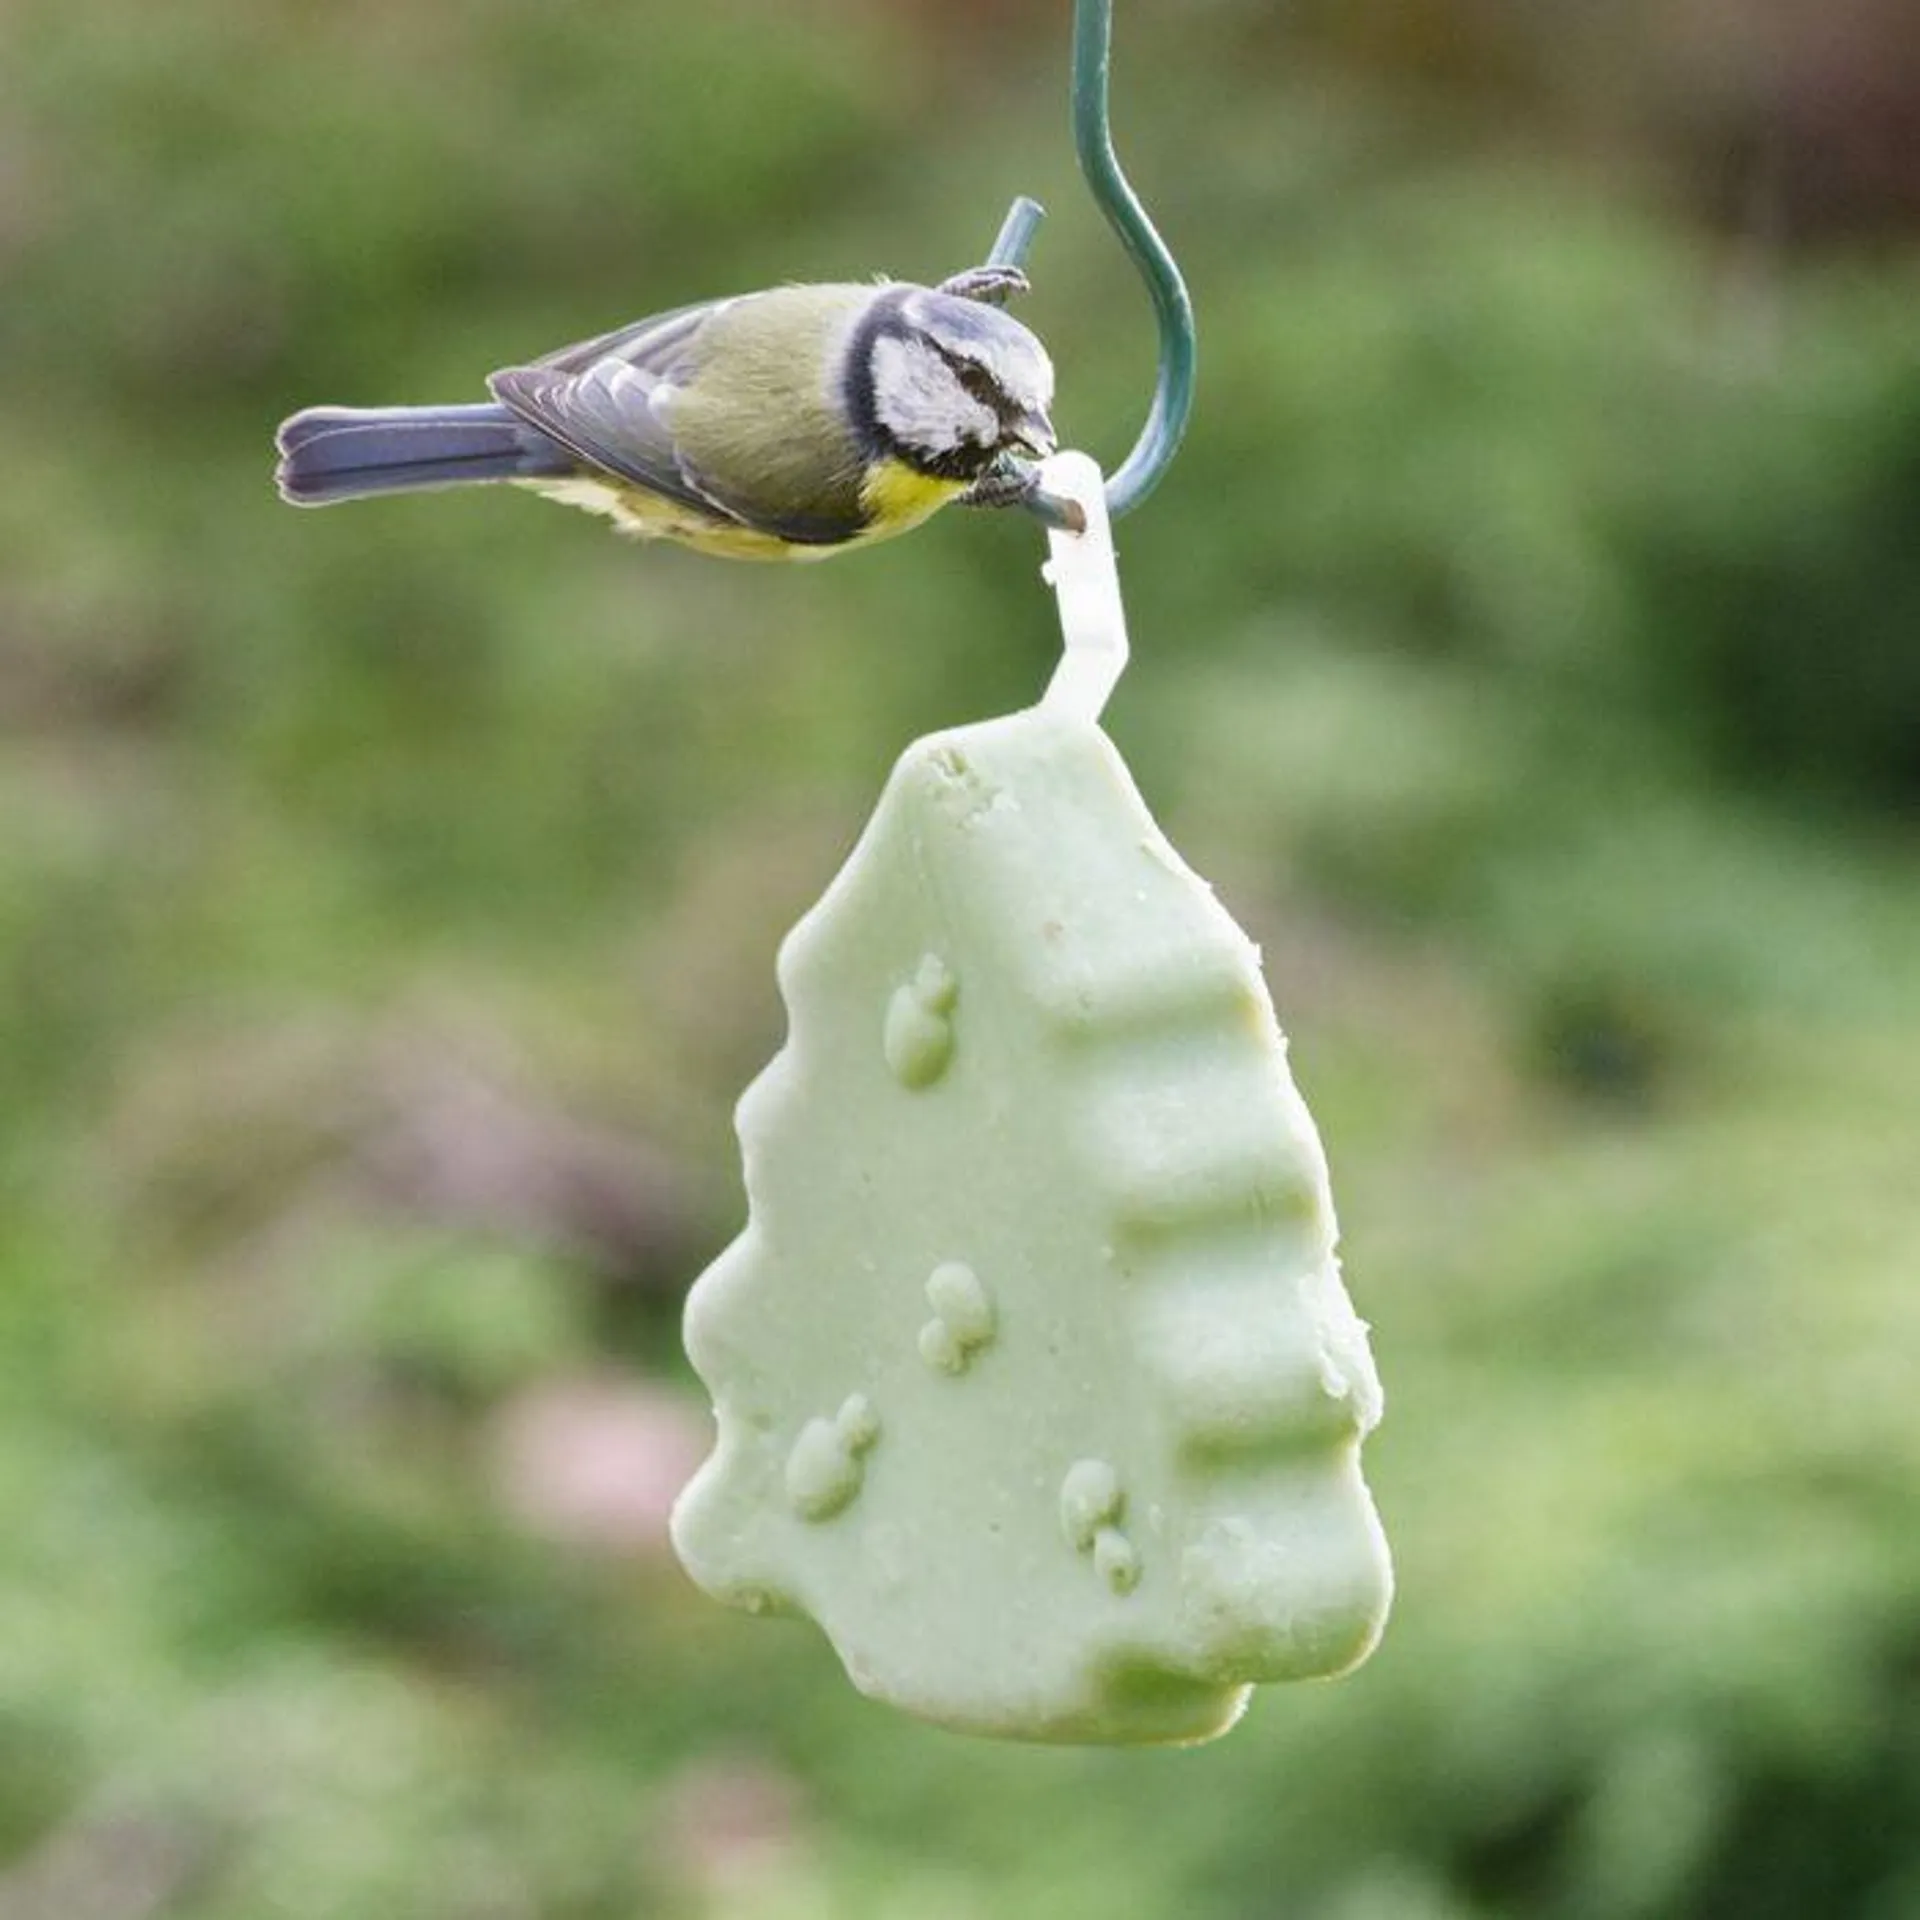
(1166,423)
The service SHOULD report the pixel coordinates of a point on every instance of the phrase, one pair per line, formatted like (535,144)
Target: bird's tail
(343,453)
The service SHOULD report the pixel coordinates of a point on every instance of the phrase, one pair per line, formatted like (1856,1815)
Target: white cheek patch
(921,403)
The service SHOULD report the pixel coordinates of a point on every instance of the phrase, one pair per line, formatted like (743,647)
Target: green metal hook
(1166,423)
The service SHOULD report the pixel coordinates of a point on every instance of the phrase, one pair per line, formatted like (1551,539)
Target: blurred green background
(1528,646)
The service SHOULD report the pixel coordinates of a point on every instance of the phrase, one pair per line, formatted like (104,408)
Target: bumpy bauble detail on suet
(789,424)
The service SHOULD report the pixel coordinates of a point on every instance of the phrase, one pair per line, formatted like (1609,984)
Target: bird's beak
(1032,432)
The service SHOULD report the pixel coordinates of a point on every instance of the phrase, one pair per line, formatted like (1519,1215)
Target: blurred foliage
(1527,645)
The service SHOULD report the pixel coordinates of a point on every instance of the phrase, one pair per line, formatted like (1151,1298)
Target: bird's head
(948,384)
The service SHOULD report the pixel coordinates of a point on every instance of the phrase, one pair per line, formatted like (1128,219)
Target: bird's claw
(992,286)
(1007,483)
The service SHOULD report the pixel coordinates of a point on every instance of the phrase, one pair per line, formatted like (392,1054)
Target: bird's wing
(604,400)
(654,341)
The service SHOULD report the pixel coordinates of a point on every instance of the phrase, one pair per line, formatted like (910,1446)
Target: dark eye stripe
(978,382)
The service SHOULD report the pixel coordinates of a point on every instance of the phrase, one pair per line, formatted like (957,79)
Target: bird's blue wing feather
(599,400)
(654,342)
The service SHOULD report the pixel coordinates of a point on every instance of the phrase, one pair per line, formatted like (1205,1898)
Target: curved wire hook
(1166,422)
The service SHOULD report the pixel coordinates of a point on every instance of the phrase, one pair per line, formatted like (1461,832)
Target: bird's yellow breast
(896,497)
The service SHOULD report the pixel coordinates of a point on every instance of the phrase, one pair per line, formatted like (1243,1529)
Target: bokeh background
(1528,646)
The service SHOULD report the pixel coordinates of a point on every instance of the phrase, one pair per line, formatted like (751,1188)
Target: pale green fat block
(1036,1383)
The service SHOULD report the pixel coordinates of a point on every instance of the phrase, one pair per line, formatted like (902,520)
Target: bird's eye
(978,383)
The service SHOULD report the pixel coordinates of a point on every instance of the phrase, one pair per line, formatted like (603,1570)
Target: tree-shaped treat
(1036,1383)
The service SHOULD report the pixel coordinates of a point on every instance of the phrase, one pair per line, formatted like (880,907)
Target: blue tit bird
(789,424)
